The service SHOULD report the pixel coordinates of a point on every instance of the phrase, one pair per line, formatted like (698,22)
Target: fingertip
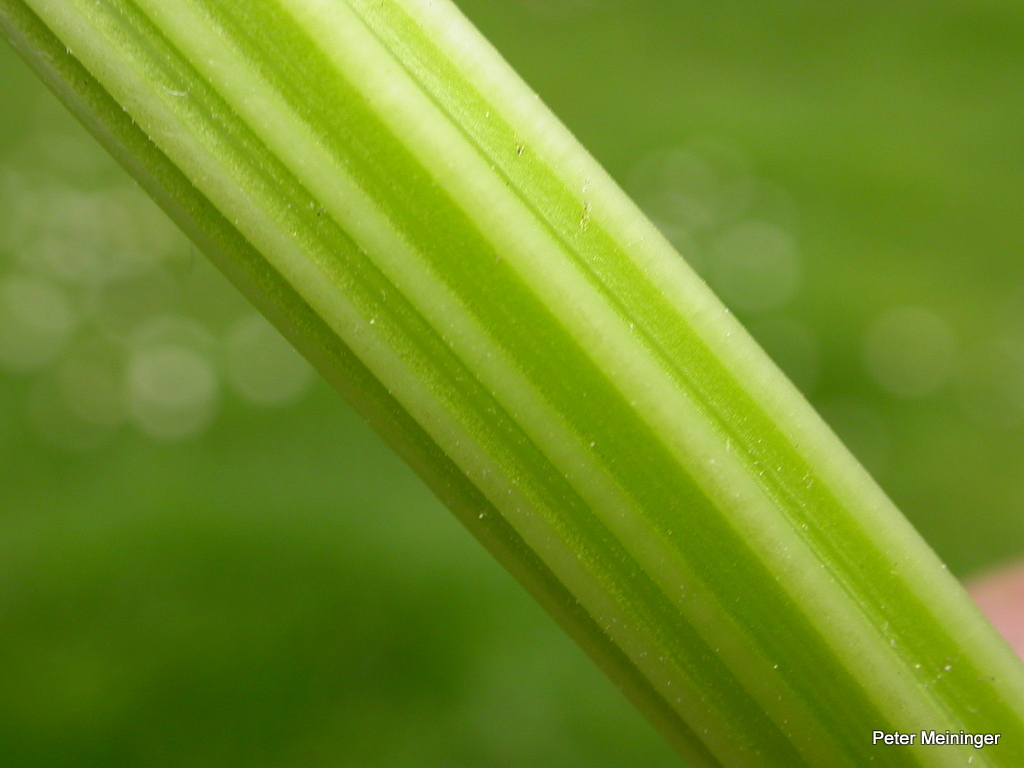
(1000,596)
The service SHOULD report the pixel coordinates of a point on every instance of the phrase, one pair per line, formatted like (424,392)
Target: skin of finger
(1000,595)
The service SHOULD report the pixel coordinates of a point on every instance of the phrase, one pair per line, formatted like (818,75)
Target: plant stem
(377,180)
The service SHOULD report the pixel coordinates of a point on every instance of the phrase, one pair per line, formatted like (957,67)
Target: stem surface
(378,181)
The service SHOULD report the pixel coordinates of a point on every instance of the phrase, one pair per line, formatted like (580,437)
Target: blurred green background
(207,560)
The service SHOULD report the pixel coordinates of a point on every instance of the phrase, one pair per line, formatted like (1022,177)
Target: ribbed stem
(377,180)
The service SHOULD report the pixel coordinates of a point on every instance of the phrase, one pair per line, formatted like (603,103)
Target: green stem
(379,182)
